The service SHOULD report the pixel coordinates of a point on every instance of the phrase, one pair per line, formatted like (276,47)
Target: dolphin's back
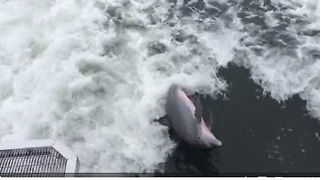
(181,113)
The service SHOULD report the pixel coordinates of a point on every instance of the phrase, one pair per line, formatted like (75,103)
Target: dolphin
(185,119)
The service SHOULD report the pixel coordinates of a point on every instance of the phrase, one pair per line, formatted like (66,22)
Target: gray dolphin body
(186,120)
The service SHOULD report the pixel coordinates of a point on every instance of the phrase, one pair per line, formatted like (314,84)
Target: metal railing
(37,158)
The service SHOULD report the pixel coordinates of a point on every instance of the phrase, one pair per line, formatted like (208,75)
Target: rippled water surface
(94,74)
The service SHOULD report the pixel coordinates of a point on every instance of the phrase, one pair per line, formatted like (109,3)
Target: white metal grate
(37,161)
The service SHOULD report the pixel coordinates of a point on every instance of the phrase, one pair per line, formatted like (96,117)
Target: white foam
(73,73)
(285,72)
(83,72)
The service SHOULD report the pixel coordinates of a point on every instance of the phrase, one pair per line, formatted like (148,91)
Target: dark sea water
(260,136)
(94,75)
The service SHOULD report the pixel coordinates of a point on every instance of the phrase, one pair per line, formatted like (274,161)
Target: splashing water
(94,74)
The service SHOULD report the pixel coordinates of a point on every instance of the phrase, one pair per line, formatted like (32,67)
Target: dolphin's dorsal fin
(197,114)
(207,117)
(164,120)
(198,110)
(202,112)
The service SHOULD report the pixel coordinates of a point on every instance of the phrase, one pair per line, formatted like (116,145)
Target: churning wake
(94,74)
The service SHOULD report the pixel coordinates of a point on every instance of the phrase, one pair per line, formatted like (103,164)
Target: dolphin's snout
(217,143)
(214,141)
